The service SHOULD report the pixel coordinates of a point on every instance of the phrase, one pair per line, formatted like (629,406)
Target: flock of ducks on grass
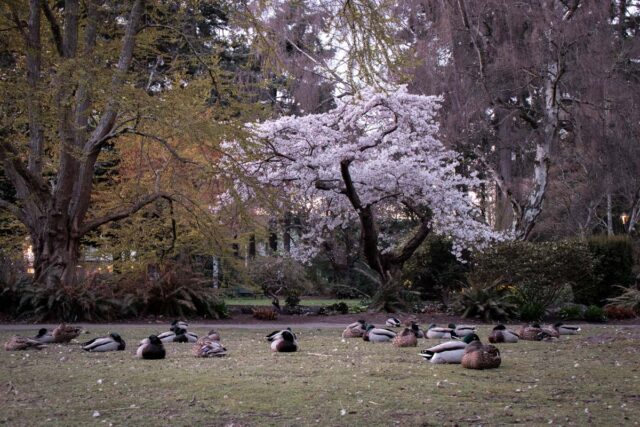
(464,347)
(149,348)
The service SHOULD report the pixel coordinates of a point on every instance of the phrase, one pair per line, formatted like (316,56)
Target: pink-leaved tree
(375,156)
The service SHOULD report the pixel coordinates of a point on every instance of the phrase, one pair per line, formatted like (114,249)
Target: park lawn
(592,378)
(313,302)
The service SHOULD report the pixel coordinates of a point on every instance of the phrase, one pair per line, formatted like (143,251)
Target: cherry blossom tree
(375,156)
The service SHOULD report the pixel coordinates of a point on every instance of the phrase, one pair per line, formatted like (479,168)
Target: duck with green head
(374,334)
(448,352)
(435,332)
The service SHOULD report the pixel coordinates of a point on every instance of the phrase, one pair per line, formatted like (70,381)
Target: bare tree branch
(55,27)
(123,213)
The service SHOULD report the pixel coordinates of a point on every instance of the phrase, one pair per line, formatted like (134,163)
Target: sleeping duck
(284,342)
(178,335)
(65,333)
(151,348)
(275,335)
(44,336)
(112,342)
(406,338)
(393,322)
(501,334)
(208,348)
(374,334)
(448,352)
(355,330)
(534,332)
(178,324)
(481,356)
(566,329)
(213,335)
(462,330)
(415,328)
(435,332)
(23,343)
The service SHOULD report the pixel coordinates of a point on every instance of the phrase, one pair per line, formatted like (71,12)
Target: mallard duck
(435,332)
(275,335)
(178,324)
(551,330)
(151,348)
(501,334)
(208,348)
(448,352)
(566,329)
(406,338)
(393,322)
(65,333)
(480,356)
(415,328)
(374,334)
(355,330)
(462,330)
(44,336)
(112,342)
(178,335)
(534,332)
(284,342)
(17,342)
(213,335)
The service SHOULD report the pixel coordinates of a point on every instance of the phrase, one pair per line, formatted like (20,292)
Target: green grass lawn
(314,302)
(591,378)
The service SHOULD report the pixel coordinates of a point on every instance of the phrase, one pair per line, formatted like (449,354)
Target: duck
(462,330)
(374,334)
(178,324)
(213,335)
(448,352)
(178,335)
(112,342)
(65,333)
(151,348)
(44,336)
(415,328)
(17,342)
(393,322)
(406,338)
(566,329)
(355,330)
(208,348)
(435,332)
(481,356)
(501,334)
(534,332)
(275,335)
(284,342)
(551,330)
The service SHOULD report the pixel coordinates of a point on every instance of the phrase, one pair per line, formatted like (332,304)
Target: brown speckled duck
(355,330)
(65,333)
(17,342)
(406,338)
(534,332)
(481,356)
(208,348)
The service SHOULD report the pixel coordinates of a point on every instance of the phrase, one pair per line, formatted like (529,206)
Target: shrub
(279,278)
(629,298)
(175,291)
(531,311)
(593,313)
(265,313)
(572,312)
(339,307)
(613,268)
(618,312)
(541,274)
(486,302)
(433,270)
